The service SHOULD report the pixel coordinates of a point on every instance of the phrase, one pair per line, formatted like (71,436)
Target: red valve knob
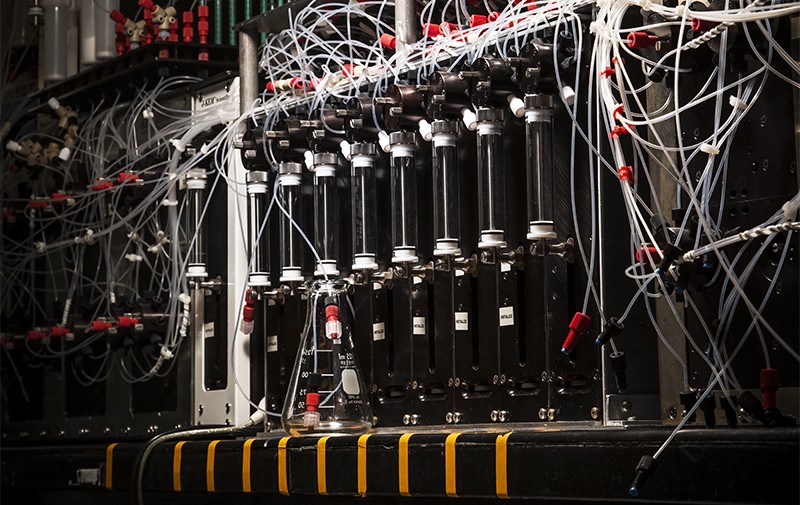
(477,20)
(579,325)
(332,313)
(388,41)
(770,382)
(640,40)
(59,331)
(702,25)
(148,5)
(312,402)
(101,325)
(124,177)
(36,335)
(625,174)
(125,321)
(117,16)
(648,254)
(188,30)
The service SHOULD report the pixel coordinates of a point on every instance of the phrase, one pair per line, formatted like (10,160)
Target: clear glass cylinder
(88,56)
(195,229)
(54,53)
(362,190)
(326,392)
(444,161)
(404,197)
(539,147)
(257,230)
(291,252)
(326,220)
(104,36)
(491,178)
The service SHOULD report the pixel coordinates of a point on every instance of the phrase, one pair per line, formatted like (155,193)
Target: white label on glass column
(272,343)
(208,330)
(506,316)
(378,331)
(419,326)
(462,321)
(505,266)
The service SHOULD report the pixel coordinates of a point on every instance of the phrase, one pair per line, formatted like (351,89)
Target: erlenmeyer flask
(326,392)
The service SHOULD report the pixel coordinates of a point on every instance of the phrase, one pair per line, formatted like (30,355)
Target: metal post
(405,26)
(248,68)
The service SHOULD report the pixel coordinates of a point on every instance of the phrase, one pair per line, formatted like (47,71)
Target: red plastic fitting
(37,204)
(101,325)
(124,177)
(332,313)
(617,131)
(36,335)
(149,29)
(625,174)
(388,41)
(101,185)
(607,72)
(173,32)
(645,253)
(312,402)
(493,16)
(640,40)
(477,20)
(148,5)
(579,326)
(270,87)
(117,16)
(702,25)
(770,382)
(619,109)
(59,197)
(616,61)
(59,331)
(120,42)
(125,321)
(188,28)
(202,23)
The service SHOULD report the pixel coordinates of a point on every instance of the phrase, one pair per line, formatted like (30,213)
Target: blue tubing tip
(597,341)
(633,492)
(565,351)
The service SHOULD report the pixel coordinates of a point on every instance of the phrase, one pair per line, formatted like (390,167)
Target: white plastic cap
(246,327)
(13,146)
(516,104)
(54,103)
(64,153)
(383,141)
(568,95)
(469,118)
(425,130)
(345,147)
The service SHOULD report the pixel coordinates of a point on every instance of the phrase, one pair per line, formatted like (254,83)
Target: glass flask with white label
(327,393)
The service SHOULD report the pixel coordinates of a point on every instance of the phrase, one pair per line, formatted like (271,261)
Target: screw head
(502,378)
(551,414)
(457,382)
(595,413)
(200,410)
(495,379)
(448,418)
(493,415)
(542,413)
(456,417)
(414,419)
(626,406)
(503,416)
(673,412)
(450,382)
(406,419)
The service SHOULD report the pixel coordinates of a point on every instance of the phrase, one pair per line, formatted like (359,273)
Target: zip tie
(185,299)
(166,353)
(177,145)
(169,203)
(133,258)
(148,114)
(737,103)
(709,149)
(40,246)
(204,148)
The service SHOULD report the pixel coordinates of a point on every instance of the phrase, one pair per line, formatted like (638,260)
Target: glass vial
(289,179)
(362,179)
(539,143)
(447,220)
(327,393)
(404,197)
(491,183)
(196,196)
(54,55)
(326,218)
(105,38)
(257,229)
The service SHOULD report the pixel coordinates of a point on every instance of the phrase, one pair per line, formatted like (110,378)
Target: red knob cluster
(188,26)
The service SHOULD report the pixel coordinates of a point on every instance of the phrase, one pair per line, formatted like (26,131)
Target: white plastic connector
(133,258)
(596,26)
(184,298)
(260,414)
(40,246)
(680,10)
(133,236)
(345,147)
(64,153)
(13,146)
(247,327)
(470,119)
(204,148)
(709,149)
(737,103)
(54,103)
(166,353)
(169,203)
(89,236)
(308,158)
(425,130)
(567,95)
(148,114)
(383,141)
(177,145)
(516,105)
